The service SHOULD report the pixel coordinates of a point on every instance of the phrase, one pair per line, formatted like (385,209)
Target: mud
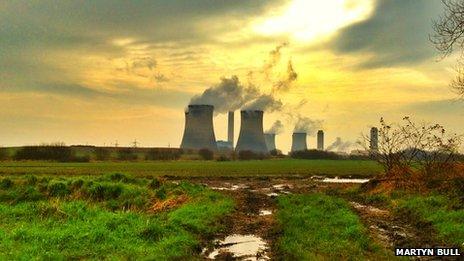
(391,231)
(251,230)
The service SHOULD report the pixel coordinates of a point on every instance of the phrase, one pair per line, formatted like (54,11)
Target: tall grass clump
(94,218)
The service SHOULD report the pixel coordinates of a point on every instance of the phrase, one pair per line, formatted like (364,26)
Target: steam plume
(274,59)
(339,145)
(276,128)
(305,124)
(291,76)
(230,94)
(264,102)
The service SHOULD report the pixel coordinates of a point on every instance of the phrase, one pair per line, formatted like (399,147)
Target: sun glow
(307,20)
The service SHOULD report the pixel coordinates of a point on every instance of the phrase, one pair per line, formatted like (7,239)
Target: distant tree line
(61,153)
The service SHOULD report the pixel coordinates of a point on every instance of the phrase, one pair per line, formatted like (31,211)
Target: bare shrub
(206,154)
(407,145)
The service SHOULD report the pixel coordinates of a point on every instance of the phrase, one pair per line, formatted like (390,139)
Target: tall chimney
(230,129)
(270,141)
(199,131)
(251,136)
(374,141)
(299,141)
(320,140)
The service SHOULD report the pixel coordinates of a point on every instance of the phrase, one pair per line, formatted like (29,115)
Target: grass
(105,217)
(285,167)
(445,215)
(321,227)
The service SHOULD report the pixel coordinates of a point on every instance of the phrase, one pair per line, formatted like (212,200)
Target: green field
(107,217)
(284,167)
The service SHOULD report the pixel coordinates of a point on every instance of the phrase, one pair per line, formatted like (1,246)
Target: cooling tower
(199,131)
(230,129)
(299,141)
(374,141)
(320,140)
(270,141)
(251,136)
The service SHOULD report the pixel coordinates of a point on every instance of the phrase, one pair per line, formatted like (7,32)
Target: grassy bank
(320,227)
(114,216)
(287,167)
(445,215)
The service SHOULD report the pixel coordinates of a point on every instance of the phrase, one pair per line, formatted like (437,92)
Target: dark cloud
(73,22)
(396,34)
(125,93)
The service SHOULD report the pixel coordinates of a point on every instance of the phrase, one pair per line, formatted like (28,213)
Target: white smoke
(290,77)
(264,102)
(340,145)
(230,95)
(305,124)
(276,128)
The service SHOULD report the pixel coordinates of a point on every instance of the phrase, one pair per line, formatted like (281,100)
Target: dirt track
(253,195)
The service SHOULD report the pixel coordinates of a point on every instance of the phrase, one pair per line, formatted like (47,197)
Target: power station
(199,130)
(269,138)
(230,129)
(320,140)
(299,141)
(251,136)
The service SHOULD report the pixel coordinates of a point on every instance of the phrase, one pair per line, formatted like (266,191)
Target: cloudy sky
(99,71)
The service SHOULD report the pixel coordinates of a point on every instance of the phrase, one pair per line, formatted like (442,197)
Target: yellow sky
(132,80)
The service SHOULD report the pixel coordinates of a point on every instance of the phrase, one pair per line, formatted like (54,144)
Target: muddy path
(391,231)
(251,230)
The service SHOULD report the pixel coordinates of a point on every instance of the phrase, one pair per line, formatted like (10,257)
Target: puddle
(370,209)
(272,194)
(243,247)
(232,188)
(339,180)
(265,212)
(282,186)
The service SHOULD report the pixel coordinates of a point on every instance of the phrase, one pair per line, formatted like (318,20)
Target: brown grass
(169,203)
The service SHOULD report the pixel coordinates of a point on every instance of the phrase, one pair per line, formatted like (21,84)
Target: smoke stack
(270,141)
(251,136)
(199,131)
(299,141)
(374,141)
(320,140)
(230,130)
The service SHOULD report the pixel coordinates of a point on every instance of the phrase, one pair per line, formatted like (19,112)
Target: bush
(276,153)
(251,155)
(223,158)
(127,154)
(315,154)
(206,154)
(4,154)
(163,154)
(60,153)
(102,154)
